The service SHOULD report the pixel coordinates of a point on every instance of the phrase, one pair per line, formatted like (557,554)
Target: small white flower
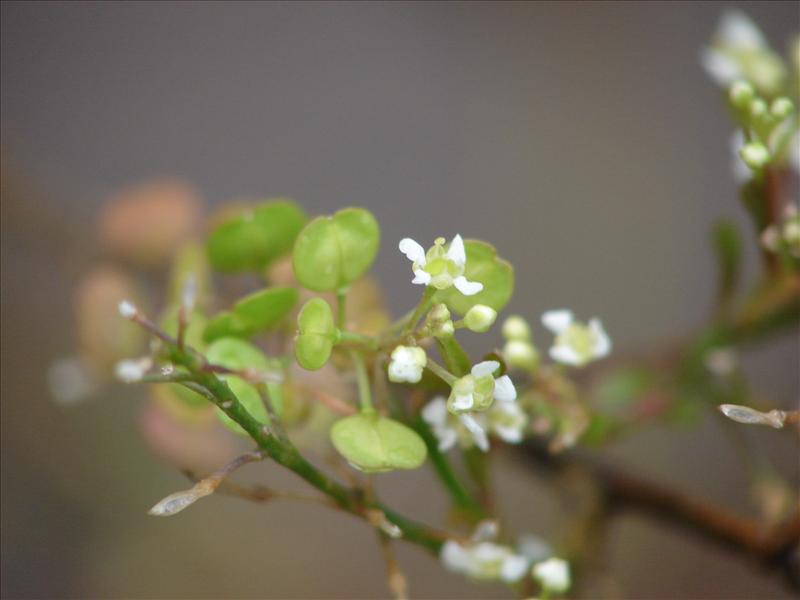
(576,343)
(438,267)
(553,575)
(465,429)
(133,369)
(507,421)
(479,389)
(740,51)
(484,561)
(407,364)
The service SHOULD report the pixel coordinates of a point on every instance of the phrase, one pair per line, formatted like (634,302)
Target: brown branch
(771,548)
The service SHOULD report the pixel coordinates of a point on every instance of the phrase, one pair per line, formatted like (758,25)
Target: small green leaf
(332,252)
(225,324)
(317,334)
(234,353)
(483,265)
(376,444)
(265,308)
(253,239)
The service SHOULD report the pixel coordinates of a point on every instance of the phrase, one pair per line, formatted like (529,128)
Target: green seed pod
(317,334)
(332,252)
(376,444)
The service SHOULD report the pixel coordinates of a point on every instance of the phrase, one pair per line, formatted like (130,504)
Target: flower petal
(421,277)
(454,556)
(468,288)
(447,438)
(737,31)
(566,355)
(602,341)
(435,412)
(456,251)
(487,367)
(722,69)
(464,402)
(413,251)
(478,433)
(504,390)
(557,320)
(513,568)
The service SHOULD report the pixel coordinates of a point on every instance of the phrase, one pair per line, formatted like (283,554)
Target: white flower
(479,389)
(485,561)
(438,267)
(740,51)
(507,421)
(449,428)
(127,309)
(576,343)
(407,364)
(553,575)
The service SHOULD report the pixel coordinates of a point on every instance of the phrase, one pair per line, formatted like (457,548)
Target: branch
(622,490)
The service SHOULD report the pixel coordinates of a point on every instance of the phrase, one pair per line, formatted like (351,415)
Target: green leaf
(265,308)
(317,334)
(483,265)
(728,249)
(253,239)
(225,324)
(234,353)
(332,252)
(376,444)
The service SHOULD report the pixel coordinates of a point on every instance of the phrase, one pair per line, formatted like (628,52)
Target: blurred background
(582,139)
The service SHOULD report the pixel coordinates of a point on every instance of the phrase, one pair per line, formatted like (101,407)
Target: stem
(341,308)
(422,307)
(441,372)
(364,391)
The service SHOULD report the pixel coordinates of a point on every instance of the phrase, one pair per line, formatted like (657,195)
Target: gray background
(582,139)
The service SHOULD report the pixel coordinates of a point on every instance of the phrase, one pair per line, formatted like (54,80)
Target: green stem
(461,497)
(364,391)
(441,372)
(424,304)
(358,338)
(341,308)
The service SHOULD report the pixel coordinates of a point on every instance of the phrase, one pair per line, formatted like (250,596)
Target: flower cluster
(438,267)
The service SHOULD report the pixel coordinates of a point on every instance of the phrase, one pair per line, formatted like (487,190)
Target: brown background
(582,139)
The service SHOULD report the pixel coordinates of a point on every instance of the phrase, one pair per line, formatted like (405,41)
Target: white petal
(603,342)
(464,402)
(557,320)
(454,556)
(513,568)
(566,355)
(722,69)
(468,288)
(421,276)
(456,251)
(533,547)
(504,390)
(511,435)
(413,251)
(435,412)
(447,438)
(487,367)
(478,433)
(737,31)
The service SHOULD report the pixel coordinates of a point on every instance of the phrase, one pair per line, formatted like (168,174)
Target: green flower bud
(480,318)
(521,354)
(755,155)
(758,108)
(317,334)
(516,328)
(741,93)
(375,444)
(782,107)
(438,321)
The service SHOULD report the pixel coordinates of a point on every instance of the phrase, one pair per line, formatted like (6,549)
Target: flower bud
(521,354)
(755,155)
(782,107)
(758,108)
(480,318)
(438,321)
(516,328)
(741,94)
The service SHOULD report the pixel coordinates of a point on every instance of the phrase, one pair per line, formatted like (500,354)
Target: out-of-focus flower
(479,389)
(485,561)
(553,575)
(407,364)
(576,344)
